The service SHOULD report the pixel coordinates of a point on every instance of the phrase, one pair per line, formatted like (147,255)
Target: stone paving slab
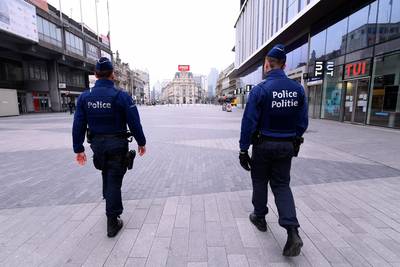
(187,202)
(207,230)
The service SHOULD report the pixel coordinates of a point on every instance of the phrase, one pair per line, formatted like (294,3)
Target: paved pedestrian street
(187,200)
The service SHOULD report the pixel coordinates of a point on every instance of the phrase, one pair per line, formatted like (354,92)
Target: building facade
(345,53)
(183,89)
(143,93)
(133,81)
(212,79)
(226,85)
(122,75)
(45,58)
(202,84)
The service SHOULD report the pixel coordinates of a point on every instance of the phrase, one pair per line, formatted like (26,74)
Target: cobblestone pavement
(187,200)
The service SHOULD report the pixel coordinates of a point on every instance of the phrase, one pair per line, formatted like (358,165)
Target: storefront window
(317,46)
(297,58)
(362,28)
(388,20)
(385,95)
(332,95)
(336,39)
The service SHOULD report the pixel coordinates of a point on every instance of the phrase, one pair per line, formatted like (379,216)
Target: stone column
(52,69)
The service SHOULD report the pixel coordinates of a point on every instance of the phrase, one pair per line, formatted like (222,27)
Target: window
(358,23)
(388,18)
(10,71)
(332,95)
(303,4)
(76,79)
(336,39)
(297,58)
(49,32)
(292,9)
(37,71)
(385,94)
(92,51)
(317,47)
(74,43)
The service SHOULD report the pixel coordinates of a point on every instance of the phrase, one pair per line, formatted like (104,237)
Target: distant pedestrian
(274,121)
(71,107)
(107,111)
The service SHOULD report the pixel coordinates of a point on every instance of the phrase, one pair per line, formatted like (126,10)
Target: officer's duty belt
(119,135)
(276,139)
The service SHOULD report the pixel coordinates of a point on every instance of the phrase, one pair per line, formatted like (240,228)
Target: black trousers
(271,163)
(105,158)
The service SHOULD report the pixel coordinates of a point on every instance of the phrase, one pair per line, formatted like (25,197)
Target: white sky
(158,35)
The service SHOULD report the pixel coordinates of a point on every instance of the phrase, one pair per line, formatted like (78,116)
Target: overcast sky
(157,35)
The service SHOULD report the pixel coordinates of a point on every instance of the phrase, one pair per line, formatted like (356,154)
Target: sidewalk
(346,223)
(187,201)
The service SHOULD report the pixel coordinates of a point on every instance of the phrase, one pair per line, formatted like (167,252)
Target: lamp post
(97,20)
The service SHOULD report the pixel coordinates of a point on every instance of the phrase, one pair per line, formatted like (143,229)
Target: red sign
(184,67)
(41,4)
(356,69)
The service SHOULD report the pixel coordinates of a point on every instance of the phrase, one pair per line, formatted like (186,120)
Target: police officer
(274,118)
(107,111)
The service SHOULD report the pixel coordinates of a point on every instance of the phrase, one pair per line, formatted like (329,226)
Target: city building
(345,53)
(182,89)
(212,82)
(133,81)
(45,57)
(225,85)
(202,85)
(122,75)
(143,94)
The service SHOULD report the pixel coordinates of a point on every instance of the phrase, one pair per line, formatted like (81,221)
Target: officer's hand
(245,160)
(81,158)
(142,150)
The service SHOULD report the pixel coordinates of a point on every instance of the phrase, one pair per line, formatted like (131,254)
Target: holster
(297,141)
(256,138)
(130,157)
(89,136)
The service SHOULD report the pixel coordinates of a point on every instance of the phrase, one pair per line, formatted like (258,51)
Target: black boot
(114,224)
(259,222)
(294,242)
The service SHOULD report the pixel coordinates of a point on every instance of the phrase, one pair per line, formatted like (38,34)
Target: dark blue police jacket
(106,110)
(277,107)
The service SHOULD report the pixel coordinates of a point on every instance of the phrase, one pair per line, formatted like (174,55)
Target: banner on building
(19,18)
(184,67)
(105,39)
(42,4)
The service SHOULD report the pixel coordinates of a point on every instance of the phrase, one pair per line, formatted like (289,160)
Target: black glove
(245,160)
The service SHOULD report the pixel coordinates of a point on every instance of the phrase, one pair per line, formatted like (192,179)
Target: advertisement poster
(19,17)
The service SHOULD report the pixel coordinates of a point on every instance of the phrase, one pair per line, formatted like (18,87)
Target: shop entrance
(41,102)
(356,100)
(314,101)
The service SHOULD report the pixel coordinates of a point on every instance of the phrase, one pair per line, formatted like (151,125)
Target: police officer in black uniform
(274,120)
(107,111)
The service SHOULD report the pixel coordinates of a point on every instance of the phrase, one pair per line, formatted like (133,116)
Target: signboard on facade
(323,67)
(19,17)
(105,54)
(62,85)
(42,4)
(105,40)
(357,69)
(184,67)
